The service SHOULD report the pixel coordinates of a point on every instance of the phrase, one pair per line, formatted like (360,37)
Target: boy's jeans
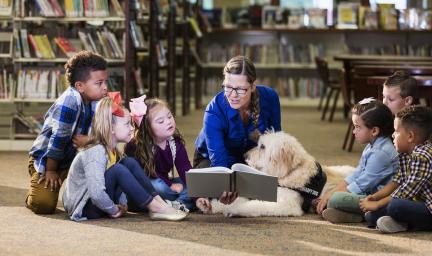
(167,193)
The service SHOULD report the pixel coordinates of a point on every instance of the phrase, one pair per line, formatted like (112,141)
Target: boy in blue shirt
(66,125)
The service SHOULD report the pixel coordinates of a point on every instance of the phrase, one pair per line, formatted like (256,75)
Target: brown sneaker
(338,216)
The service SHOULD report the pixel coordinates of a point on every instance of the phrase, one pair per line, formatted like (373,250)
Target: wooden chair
(331,87)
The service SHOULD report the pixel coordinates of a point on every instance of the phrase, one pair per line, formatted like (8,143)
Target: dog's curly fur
(281,155)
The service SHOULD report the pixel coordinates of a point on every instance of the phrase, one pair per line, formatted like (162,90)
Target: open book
(247,181)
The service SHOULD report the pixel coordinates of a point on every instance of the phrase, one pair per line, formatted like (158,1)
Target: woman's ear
(408,100)
(253,87)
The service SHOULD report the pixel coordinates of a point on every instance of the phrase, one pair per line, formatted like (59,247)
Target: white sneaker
(387,224)
(177,205)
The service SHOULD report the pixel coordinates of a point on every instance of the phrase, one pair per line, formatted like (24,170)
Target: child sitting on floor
(159,147)
(406,202)
(372,122)
(100,178)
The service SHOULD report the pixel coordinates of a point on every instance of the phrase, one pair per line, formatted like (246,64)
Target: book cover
(247,181)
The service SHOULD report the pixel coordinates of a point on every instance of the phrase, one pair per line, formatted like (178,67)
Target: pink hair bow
(117,108)
(138,109)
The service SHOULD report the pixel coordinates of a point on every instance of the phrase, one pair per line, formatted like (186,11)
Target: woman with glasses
(235,118)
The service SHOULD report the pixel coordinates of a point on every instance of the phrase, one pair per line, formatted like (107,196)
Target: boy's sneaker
(177,205)
(338,216)
(387,224)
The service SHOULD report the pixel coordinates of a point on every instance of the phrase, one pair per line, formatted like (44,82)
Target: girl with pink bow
(104,183)
(159,147)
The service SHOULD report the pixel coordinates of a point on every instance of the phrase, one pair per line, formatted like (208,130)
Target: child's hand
(79,140)
(369,198)
(52,180)
(367,205)
(204,205)
(177,187)
(122,210)
(322,204)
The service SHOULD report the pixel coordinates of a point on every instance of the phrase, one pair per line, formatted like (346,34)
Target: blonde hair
(102,126)
(144,136)
(241,65)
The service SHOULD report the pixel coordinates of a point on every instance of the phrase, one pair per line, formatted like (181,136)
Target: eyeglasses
(239,91)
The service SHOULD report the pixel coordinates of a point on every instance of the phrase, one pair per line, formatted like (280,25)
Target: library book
(243,179)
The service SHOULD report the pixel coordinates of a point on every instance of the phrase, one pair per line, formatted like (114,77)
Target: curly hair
(417,118)
(79,66)
(375,114)
(241,65)
(144,137)
(408,85)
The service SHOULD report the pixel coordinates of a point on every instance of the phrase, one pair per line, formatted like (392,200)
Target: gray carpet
(24,233)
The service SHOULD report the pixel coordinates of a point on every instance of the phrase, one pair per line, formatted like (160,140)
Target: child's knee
(42,203)
(394,208)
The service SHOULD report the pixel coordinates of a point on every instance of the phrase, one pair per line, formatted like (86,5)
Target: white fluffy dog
(281,155)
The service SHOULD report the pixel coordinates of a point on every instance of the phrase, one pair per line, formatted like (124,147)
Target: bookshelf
(284,57)
(40,36)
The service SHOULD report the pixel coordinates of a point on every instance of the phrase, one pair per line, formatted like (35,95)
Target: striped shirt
(415,175)
(68,116)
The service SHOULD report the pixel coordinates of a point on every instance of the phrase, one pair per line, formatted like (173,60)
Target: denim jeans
(414,213)
(125,176)
(167,193)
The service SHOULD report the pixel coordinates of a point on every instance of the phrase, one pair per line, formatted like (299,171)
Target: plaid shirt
(415,175)
(68,116)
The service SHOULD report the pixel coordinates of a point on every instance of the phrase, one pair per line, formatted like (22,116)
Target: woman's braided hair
(241,65)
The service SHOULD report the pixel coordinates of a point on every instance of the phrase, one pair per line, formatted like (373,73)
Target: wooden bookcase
(332,41)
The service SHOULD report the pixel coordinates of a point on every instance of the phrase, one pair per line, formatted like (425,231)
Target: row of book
(397,49)
(5,8)
(6,81)
(299,87)
(43,84)
(265,54)
(350,15)
(39,84)
(40,46)
(382,16)
(137,36)
(69,8)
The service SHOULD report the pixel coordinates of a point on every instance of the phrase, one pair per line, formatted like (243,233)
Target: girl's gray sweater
(86,180)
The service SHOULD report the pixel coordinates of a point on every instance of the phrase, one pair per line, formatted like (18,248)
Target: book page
(247,168)
(217,169)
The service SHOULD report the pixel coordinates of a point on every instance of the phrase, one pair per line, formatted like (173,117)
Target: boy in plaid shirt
(406,202)
(66,125)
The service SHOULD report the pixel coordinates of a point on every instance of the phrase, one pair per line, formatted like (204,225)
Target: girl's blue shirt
(224,139)
(378,162)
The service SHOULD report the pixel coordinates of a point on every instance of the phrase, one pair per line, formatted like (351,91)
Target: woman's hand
(228,197)
(204,205)
(177,187)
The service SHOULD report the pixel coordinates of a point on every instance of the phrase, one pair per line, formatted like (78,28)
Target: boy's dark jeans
(414,213)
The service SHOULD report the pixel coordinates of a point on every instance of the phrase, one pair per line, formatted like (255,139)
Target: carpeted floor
(24,233)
